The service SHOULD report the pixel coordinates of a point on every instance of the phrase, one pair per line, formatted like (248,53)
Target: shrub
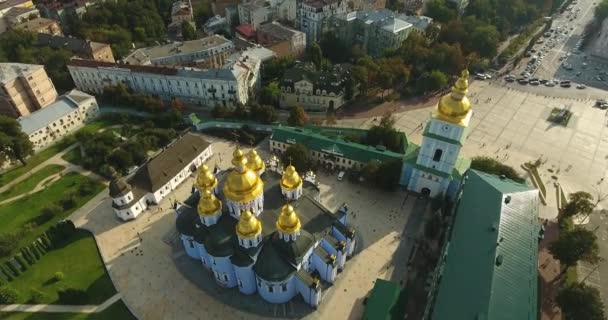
(8,242)
(7,273)
(68,201)
(492,166)
(73,296)
(58,276)
(51,210)
(21,261)
(36,296)
(12,268)
(8,295)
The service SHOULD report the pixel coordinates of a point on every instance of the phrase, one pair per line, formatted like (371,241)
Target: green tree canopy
(581,302)
(299,156)
(188,32)
(580,204)
(297,117)
(575,245)
(493,166)
(315,55)
(270,94)
(264,113)
(14,144)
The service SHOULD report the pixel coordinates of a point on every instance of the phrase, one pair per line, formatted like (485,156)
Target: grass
(79,261)
(117,311)
(96,125)
(31,182)
(571,276)
(22,212)
(73,156)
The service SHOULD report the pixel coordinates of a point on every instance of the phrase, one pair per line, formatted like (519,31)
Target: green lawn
(117,311)
(80,263)
(30,183)
(97,124)
(74,156)
(571,276)
(15,215)
(38,158)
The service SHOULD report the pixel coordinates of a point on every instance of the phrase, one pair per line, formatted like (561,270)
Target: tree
(15,145)
(370,170)
(121,160)
(389,173)
(270,94)
(334,49)
(493,166)
(433,81)
(575,245)
(8,295)
(297,117)
(188,31)
(580,204)
(264,113)
(299,156)
(580,302)
(177,104)
(315,55)
(485,40)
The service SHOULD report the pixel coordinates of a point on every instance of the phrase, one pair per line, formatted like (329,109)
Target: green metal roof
(317,141)
(382,301)
(490,267)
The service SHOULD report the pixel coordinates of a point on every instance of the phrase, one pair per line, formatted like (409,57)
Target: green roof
(317,141)
(382,301)
(490,267)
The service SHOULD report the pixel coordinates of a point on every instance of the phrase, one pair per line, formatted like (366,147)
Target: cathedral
(264,231)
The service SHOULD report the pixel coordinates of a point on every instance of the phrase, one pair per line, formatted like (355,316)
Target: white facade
(62,117)
(212,87)
(338,160)
(313,17)
(254,13)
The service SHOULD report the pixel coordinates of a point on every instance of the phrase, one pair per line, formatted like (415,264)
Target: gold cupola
(208,204)
(288,222)
(254,162)
(248,226)
(242,184)
(455,106)
(205,178)
(291,179)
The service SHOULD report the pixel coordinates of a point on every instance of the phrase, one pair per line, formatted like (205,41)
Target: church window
(284,287)
(225,277)
(213,261)
(437,155)
(240,283)
(270,289)
(250,243)
(191,244)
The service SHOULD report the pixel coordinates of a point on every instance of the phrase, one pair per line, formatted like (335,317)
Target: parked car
(534,83)
(581,86)
(523,81)
(341,175)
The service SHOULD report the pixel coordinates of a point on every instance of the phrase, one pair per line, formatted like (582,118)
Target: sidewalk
(50,308)
(548,270)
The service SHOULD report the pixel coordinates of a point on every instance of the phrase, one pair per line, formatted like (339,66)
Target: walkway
(549,272)
(56,308)
(40,186)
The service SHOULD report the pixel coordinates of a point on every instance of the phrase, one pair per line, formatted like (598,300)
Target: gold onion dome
(254,162)
(248,226)
(288,222)
(291,179)
(208,204)
(455,106)
(205,178)
(243,184)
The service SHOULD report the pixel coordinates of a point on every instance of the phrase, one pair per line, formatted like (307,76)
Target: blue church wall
(328,247)
(337,234)
(350,246)
(223,271)
(309,295)
(245,279)
(307,260)
(326,271)
(277,292)
(406,174)
(190,246)
(452,191)
(203,255)
(341,259)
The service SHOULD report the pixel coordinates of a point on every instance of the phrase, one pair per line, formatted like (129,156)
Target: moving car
(341,175)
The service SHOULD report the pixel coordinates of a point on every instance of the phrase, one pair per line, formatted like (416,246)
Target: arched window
(437,155)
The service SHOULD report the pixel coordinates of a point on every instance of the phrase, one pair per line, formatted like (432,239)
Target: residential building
(84,49)
(249,238)
(159,176)
(8,6)
(285,10)
(209,52)
(255,12)
(40,25)
(314,17)
(314,90)
(25,89)
(228,86)
(17,15)
(60,118)
(420,24)
(282,40)
(181,12)
(218,7)
(244,36)
(491,253)
(374,31)
(60,10)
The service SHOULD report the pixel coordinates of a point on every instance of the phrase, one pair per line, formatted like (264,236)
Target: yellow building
(25,88)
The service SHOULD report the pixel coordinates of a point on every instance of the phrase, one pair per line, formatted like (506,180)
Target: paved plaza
(158,281)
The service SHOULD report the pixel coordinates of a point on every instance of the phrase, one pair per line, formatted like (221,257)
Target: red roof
(246,31)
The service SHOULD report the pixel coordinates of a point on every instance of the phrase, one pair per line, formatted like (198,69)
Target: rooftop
(146,55)
(320,3)
(18,11)
(323,80)
(72,44)
(35,24)
(9,70)
(419,22)
(245,30)
(277,31)
(492,253)
(11,3)
(386,19)
(62,106)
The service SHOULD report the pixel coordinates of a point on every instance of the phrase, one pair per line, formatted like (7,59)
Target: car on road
(565,84)
(510,78)
(523,81)
(578,73)
(534,83)
(581,86)
(550,84)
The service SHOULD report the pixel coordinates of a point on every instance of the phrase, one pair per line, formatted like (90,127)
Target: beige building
(85,49)
(25,88)
(7,6)
(282,40)
(68,113)
(41,25)
(313,90)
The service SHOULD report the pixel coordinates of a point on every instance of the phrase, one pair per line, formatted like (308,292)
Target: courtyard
(157,280)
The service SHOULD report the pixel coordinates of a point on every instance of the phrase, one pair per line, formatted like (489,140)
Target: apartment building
(17,15)
(25,88)
(60,118)
(255,12)
(314,17)
(282,40)
(84,49)
(40,25)
(8,6)
(209,52)
(181,12)
(314,90)
(228,86)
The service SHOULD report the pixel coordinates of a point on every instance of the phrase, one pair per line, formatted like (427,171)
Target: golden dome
(254,162)
(248,226)
(455,106)
(242,185)
(205,178)
(291,179)
(288,222)
(208,204)
(238,158)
